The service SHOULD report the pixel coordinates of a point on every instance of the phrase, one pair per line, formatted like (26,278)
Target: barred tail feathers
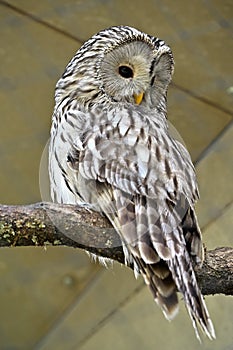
(185,279)
(161,256)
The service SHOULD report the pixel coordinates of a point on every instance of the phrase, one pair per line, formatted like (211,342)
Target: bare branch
(43,224)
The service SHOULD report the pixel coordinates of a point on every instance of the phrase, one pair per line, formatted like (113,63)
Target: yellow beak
(138,98)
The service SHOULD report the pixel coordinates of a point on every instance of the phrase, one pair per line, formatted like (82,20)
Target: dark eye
(126,72)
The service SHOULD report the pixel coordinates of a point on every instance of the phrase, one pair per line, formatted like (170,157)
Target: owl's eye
(125,72)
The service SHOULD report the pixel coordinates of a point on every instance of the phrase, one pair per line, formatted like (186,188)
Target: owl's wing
(145,183)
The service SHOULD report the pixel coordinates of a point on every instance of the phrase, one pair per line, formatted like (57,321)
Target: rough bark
(43,224)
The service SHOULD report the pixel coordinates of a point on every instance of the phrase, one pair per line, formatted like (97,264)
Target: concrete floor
(57,299)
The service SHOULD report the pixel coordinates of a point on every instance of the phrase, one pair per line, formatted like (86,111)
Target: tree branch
(43,224)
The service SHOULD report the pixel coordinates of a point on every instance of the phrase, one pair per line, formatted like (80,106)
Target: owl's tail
(162,252)
(176,241)
(185,279)
(161,246)
(161,283)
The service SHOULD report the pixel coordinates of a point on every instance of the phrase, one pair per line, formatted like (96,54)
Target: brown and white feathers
(111,149)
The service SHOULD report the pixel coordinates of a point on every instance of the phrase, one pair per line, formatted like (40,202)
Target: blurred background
(56,298)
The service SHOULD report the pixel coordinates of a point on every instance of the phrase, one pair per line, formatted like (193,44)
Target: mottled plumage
(111,149)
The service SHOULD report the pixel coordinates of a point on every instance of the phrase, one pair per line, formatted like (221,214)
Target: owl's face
(119,64)
(136,72)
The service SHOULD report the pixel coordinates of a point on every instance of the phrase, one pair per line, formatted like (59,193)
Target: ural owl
(111,149)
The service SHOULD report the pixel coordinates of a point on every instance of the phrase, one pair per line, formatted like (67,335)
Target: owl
(111,149)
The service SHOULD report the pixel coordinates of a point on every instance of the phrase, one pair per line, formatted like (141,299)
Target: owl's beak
(138,98)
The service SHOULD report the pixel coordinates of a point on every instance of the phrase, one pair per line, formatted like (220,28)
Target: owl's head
(119,64)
